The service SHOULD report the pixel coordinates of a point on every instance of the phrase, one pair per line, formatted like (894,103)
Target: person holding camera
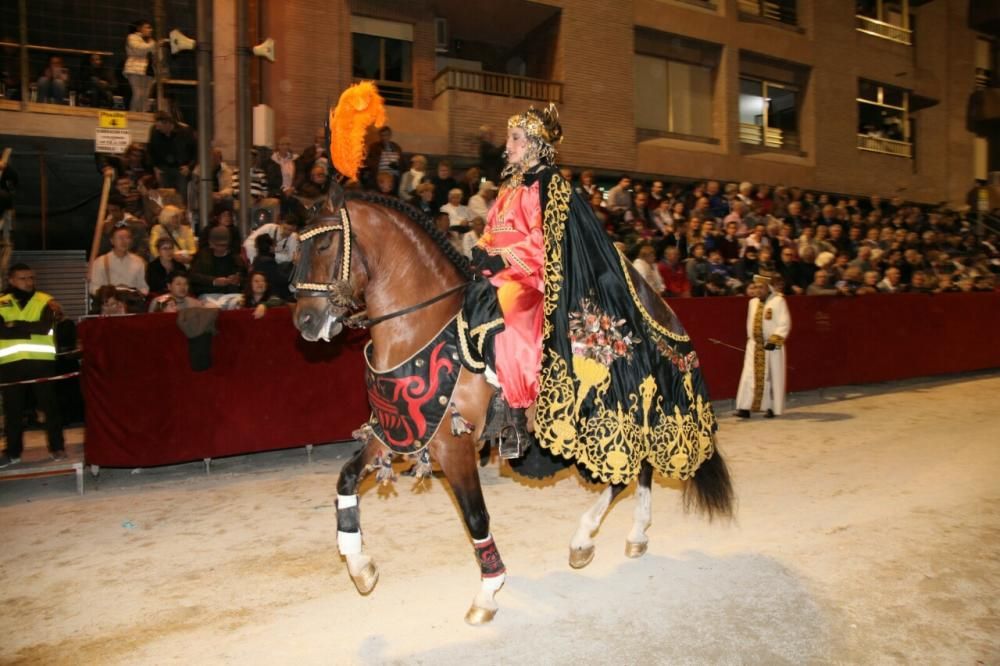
(384,155)
(762,383)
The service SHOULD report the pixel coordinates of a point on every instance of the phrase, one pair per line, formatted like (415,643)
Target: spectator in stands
(442,221)
(314,190)
(459,214)
(216,270)
(482,201)
(119,267)
(470,183)
(443,184)
(285,247)
(28,351)
(384,155)
(162,266)
(107,303)
(54,82)
(285,159)
(717,204)
(8,186)
(116,217)
(385,184)
(491,159)
(131,200)
(892,282)
(729,245)
(645,264)
(303,168)
(869,283)
(139,46)
(173,225)
(172,150)
(470,238)
(697,269)
(852,279)
(258,296)
(320,146)
(619,196)
(409,181)
(596,201)
(673,274)
(177,297)
(98,81)
(423,199)
(747,266)
(587,185)
(656,194)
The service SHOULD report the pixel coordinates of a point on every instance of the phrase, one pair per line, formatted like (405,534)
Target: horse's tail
(710,490)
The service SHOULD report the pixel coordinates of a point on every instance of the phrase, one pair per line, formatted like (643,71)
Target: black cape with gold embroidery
(620,381)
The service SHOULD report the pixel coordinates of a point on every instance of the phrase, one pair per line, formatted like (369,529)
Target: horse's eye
(324,242)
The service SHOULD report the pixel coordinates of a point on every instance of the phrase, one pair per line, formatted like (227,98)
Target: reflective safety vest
(36,346)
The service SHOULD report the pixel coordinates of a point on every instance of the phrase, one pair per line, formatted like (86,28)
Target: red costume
(514,232)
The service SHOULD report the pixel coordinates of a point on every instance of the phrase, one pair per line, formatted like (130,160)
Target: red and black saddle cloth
(409,401)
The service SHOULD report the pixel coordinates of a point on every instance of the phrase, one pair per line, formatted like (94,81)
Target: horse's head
(327,280)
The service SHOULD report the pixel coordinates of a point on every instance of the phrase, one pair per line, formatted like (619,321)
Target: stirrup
(512,442)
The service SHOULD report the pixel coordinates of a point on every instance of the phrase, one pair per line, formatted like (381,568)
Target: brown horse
(387,256)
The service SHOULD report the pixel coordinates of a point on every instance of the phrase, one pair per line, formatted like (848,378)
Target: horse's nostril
(304,319)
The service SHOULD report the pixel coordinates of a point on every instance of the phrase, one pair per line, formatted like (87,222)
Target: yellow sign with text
(112,120)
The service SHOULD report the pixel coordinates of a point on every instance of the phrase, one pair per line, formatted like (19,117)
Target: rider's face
(517,145)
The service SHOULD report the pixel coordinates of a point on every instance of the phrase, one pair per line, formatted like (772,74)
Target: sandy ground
(867,533)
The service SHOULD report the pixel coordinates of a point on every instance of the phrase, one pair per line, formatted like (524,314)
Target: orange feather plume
(360,106)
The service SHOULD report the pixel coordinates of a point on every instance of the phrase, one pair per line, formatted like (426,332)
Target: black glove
(770,346)
(484,262)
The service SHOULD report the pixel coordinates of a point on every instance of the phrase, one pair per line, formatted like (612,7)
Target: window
(382,51)
(782,11)
(883,119)
(673,97)
(889,19)
(674,84)
(769,114)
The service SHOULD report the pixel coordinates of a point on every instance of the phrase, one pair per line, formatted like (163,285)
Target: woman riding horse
(615,381)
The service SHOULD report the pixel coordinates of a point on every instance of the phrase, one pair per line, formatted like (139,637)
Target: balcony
(893,33)
(779,11)
(499,85)
(395,93)
(768,137)
(875,144)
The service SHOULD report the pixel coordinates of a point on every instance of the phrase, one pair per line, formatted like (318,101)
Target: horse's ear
(334,197)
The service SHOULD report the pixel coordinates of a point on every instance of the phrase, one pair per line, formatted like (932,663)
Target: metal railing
(884,30)
(395,93)
(984,77)
(782,11)
(501,85)
(877,144)
(769,137)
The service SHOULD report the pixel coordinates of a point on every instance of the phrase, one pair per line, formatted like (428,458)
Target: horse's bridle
(340,292)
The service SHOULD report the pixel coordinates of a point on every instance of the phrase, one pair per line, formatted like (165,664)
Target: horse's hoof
(633,549)
(478,615)
(366,579)
(580,557)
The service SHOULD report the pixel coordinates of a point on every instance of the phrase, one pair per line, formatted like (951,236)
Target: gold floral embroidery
(554,220)
(758,357)
(652,323)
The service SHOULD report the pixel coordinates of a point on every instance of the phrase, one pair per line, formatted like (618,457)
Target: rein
(340,292)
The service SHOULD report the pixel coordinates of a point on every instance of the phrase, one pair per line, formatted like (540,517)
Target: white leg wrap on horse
(591,520)
(643,515)
(493,583)
(349,543)
(346,501)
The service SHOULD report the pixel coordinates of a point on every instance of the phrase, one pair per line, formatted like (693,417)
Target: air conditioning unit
(441,35)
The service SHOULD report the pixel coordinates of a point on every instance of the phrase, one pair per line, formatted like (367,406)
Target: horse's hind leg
(458,457)
(637,541)
(363,571)
(581,548)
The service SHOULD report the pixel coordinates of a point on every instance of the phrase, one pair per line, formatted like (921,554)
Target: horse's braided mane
(457,259)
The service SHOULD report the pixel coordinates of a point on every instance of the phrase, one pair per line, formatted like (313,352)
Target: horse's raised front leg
(457,457)
(637,542)
(581,548)
(363,571)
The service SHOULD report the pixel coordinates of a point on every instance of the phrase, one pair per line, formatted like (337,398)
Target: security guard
(27,351)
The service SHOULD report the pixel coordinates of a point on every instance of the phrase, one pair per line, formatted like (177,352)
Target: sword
(726,344)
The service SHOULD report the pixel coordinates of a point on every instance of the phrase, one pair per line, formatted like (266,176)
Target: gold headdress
(539,124)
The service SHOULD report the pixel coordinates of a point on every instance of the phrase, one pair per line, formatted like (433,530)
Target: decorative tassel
(459,425)
(422,470)
(363,434)
(384,474)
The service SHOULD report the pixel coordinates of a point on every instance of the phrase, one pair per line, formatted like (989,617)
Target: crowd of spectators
(698,239)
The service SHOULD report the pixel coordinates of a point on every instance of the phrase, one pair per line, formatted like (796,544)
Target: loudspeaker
(265,49)
(180,42)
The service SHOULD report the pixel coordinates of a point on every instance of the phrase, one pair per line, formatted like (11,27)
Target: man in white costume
(762,384)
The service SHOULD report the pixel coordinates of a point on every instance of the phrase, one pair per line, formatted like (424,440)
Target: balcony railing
(770,137)
(884,30)
(395,93)
(877,144)
(984,78)
(782,11)
(501,85)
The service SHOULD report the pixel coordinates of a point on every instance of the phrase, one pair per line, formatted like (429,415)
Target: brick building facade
(775,91)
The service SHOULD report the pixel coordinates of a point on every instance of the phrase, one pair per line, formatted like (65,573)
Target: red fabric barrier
(841,340)
(269,389)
